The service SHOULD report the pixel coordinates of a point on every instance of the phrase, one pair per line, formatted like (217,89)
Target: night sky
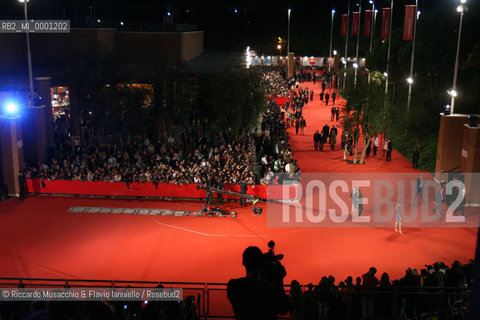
(255,23)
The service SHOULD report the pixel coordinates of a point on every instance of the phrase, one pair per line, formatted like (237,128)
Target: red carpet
(41,239)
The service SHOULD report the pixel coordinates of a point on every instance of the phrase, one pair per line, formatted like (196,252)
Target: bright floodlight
(121,23)
(460,9)
(385,74)
(371,1)
(289,10)
(235,10)
(355,65)
(22,1)
(11,108)
(334,52)
(410,80)
(452,92)
(169,13)
(333,11)
(463,1)
(279,47)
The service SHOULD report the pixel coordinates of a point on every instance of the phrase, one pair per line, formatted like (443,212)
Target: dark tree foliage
(231,98)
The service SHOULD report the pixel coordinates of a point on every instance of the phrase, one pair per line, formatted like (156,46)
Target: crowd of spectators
(437,291)
(272,147)
(197,153)
(276,85)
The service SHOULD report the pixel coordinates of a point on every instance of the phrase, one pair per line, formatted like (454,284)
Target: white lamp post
(344,61)
(373,24)
(331,37)
(410,78)
(29,56)
(453,93)
(358,42)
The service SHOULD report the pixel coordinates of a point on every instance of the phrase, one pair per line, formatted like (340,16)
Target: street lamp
(331,36)
(358,41)
(29,56)
(279,47)
(288,43)
(412,58)
(344,61)
(461,9)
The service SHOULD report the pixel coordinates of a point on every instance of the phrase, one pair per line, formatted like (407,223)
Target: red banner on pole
(367,29)
(386,13)
(343,31)
(409,22)
(355,25)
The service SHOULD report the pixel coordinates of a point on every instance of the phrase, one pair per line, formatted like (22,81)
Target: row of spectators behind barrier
(437,292)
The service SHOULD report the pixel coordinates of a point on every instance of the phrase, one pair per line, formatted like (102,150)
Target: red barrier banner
(386,16)
(343,30)
(408,26)
(149,189)
(367,29)
(355,23)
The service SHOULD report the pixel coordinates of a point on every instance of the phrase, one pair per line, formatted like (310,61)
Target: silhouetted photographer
(260,294)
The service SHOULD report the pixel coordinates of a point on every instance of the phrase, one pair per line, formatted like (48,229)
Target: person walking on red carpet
(316,140)
(303,124)
(389,150)
(327,97)
(334,112)
(334,96)
(398,218)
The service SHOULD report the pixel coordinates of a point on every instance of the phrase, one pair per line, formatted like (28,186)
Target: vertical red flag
(386,22)
(367,29)
(343,31)
(355,25)
(409,22)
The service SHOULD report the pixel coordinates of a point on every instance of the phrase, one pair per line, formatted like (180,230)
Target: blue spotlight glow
(11,108)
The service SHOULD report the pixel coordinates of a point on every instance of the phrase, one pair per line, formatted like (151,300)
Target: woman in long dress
(398,219)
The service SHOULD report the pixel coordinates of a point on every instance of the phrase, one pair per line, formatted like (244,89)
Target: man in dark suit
(326,132)
(243,190)
(316,139)
(220,186)
(415,157)
(21,185)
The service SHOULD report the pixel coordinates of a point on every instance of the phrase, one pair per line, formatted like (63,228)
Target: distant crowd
(197,152)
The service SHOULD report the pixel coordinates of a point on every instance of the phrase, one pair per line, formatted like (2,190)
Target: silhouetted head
(271,244)
(252,257)
(372,270)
